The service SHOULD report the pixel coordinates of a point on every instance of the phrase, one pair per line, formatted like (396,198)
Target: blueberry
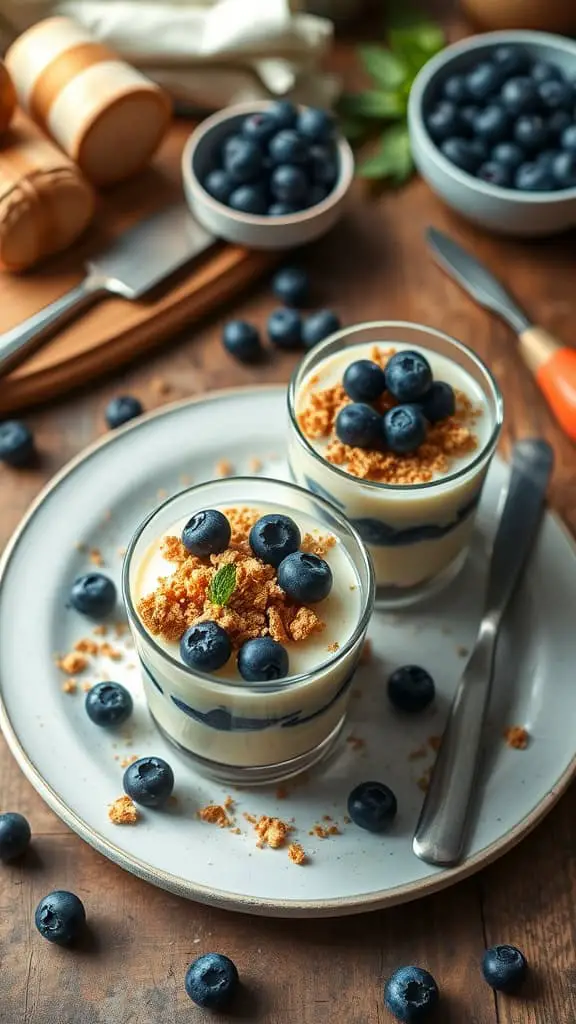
(504,968)
(564,170)
(205,646)
(289,184)
(511,60)
(15,835)
(108,704)
(318,326)
(262,659)
(149,781)
(508,154)
(323,165)
(316,194)
(439,402)
(556,124)
(230,144)
(283,209)
(364,381)
(359,425)
(568,139)
(242,341)
(16,443)
(259,128)
(122,409)
(530,132)
(533,177)
(305,578)
(455,89)
(546,158)
(212,981)
(284,113)
(555,95)
(206,533)
(249,199)
(468,115)
(274,536)
(288,147)
(243,161)
(495,174)
(60,917)
(544,71)
(483,81)
(411,688)
(492,124)
(315,125)
(372,806)
(219,185)
(520,96)
(408,376)
(404,429)
(93,594)
(292,286)
(444,121)
(411,994)
(462,153)
(285,328)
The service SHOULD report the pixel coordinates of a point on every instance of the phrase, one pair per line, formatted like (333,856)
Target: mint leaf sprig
(222,585)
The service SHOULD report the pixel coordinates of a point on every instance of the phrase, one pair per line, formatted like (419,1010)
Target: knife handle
(554,367)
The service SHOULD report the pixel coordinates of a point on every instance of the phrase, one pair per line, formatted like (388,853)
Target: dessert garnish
(372,806)
(93,594)
(108,704)
(149,781)
(411,688)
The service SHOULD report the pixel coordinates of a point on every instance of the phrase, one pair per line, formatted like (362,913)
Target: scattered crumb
(462,652)
(346,819)
(120,629)
(161,492)
(185,479)
(81,547)
(333,647)
(86,646)
(223,468)
(296,854)
(95,557)
(123,811)
(160,386)
(108,651)
(214,814)
(366,653)
(282,792)
(356,742)
(324,831)
(424,781)
(229,803)
(272,832)
(87,686)
(516,737)
(236,831)
(73,663)
(100,630)
(69,686)
(317,544)
(434,742)
(121,552)
(418,753)
(255,465)
(126,761)
(326,817)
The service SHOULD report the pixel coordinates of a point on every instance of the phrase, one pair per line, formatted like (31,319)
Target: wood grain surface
(131,971)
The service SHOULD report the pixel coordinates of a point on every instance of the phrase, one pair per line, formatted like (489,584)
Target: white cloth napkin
(207,53)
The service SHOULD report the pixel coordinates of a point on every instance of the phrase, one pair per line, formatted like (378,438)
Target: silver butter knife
(441,830)
(134,263)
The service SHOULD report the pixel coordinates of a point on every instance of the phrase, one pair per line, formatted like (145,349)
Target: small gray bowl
(502,210)
(255,232)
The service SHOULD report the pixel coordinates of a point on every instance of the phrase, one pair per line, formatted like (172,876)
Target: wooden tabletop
(306,972)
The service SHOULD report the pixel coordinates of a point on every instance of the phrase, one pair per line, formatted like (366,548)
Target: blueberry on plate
(288,147)
(364,381)
(359,426)
(292,286)
(463,153)
(555,95)
(556,124)
(212,981)
(323,165)
(508,154)
(284,113)
(259,128)
(108,704)
(404,429)
(444,121)
(243,161)
(411,994)
(207,533)
(504,968)
(16,444)
(15,835)
(289,184)
(304,577)
(520,96)
(283,209)
(242,341)
(249,199)
(511,60)
(411,688)
(531,132)
(149,781)
(544,71)
(315,124)
(262,659)
(284,328)
(318,326)
(205,646)
(93,594)
(564,170)
(492,124)
(534,177)
(568,139)
(483,81)
(60,917)
(455,89)
(495,174)
(372,806)
(439,402)
(273,537)
(408,376)
(122,409)
(219,185)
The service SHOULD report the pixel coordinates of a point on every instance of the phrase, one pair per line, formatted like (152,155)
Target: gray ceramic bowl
(255,232)
(503,210)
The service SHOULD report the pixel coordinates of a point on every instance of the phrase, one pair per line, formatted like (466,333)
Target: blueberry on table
(492,124)
(463,153)
(282,209)
(534,177)
(455,89)
(305,578)
(205,646)
(93,594)
(242,341)
(568,139)
(408,375)
(212,981)
(364,380)
(284,113)
(359,425)
(108,704)
(315,125)
(249,199)
(259,128)
(15,835)
(520,96)
(495,174)
(508,154)
(318,326)
(289,184)
(444,121)
(16,444)
(439,402)
(60,917)
(544,71)
(555,95)
(291,285)
(404,429)
(504,968)
(273,537)
(411,994)
(219,185)
(483,81)
(323,165)
(243,161)
(207,533)
(511,60)
(122,409)
(262,659)
(411,688)
(288,147)
(285,328)
(530,132)
(372,806)
(149,781)
(564,170)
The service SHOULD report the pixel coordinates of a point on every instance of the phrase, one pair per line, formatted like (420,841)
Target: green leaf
(393,159)
(223,584)
(386,68)
(373,104)
(352,127)
(413,37)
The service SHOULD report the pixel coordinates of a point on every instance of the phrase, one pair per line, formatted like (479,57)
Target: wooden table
(306,972)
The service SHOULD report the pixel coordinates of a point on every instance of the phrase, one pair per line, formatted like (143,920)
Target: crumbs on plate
(123,811)
(517,737)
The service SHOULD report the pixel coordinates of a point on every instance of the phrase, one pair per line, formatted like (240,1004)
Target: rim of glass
(280,684)
(377,485)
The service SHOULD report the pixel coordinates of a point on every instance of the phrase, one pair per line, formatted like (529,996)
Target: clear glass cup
(417,534)
(236,731)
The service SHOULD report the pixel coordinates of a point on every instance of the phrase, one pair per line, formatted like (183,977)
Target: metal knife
(134,263)
(441,830)
(552,363)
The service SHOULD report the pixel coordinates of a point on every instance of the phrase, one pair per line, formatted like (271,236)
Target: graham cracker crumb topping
(123,811)
(517,737)
(296,854)
(272,832)
(73,663)
(69,686)
(214,814)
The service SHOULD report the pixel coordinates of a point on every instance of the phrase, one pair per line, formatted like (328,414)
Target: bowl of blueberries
(267,175)
(492,124)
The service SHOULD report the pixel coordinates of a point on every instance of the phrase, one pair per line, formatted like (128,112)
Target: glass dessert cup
(246,732)
(418,534)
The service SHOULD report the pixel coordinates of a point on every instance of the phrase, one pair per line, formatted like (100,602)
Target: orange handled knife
(552,363)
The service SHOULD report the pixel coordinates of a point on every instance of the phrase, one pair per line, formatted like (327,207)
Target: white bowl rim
(442,60)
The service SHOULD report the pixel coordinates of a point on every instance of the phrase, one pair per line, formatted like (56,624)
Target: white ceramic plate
(97,501)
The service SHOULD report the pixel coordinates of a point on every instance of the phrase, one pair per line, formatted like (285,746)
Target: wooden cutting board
(115,331)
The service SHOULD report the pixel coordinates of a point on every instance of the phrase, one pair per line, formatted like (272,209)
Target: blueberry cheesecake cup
(395,424)
(248,600)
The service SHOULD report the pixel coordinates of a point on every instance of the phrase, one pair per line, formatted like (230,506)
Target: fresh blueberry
(408,376)
(283,209)
(60,917)
(444,121)
(495,174)
(483,81)
(455,89)
(288,147)
(372,806)
(243,161)
(304,577)
(122,409)
(546,158)
(462,153)
(359,425)
(219,185)
(212,981)
(533,177)
(292,286)
(531,132)
(411,688)
(242,341)
(544,71)
(411,994)
(285,328)
(468,115)
(520,96)
(273,537)
(205,646)
(556,124)
(284,113)
(230,144)
(316,194)
(15,835)
(108,704)
(508,154)
(404,429)
(504,968)
(555,95)
(289,184)
(323,165)
(262,659)
(260,128)
(364,381)
(149,781)
(564,170)
(568,139)
(16,443)
(511,60)
(249,199)
(318,326)
(439,402)
(315,125)
(206,533)
(492,124)
(93,595)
